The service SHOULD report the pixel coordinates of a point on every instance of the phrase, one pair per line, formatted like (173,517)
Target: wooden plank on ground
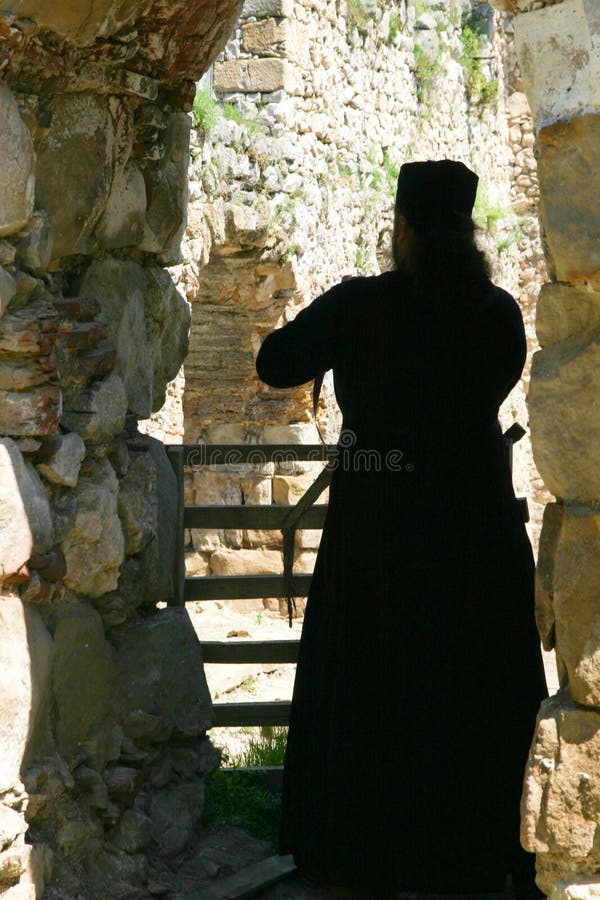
(265,517)
(275,712)
(252,879)
(236,651)
(235,587)
(234,454)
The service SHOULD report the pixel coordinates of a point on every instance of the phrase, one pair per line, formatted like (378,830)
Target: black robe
(420,671)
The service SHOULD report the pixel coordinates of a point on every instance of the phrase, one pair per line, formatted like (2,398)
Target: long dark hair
(445,263)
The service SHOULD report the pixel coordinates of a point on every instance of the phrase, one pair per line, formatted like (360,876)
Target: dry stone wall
(103,745)
(558,47)
(292,181)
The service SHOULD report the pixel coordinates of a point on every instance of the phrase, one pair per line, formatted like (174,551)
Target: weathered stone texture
(66,455)
(564,83)
(560,806)
(95,546)
(25,675)
(17,179)
(160,674)
(577,602)
(75,159)
(563,310)
(544,574)
(81,675)
(565,417)
(25,520)
(138,301)
(255,75)
(569,182)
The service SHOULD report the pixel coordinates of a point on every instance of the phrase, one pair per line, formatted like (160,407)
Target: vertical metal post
(176,455)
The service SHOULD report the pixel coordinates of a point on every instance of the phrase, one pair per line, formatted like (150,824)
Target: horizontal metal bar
(235,651)
(238,587)
(235,454)
(267,516)
(277,712)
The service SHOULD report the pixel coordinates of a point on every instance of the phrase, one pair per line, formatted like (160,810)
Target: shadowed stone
(17,178)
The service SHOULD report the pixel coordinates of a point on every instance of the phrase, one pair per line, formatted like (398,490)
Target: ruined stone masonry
(292,179)
(105,708)
(558,47)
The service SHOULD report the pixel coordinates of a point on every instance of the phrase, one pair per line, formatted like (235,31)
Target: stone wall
(105,706)
(558,46)
(292,181)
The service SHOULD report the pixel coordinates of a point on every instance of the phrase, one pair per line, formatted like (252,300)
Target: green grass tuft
(205,112)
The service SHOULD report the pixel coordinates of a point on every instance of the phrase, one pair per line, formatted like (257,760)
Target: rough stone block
(97,413)
(264,8)
(563,310)
(265,38)
(168,320)
(17,179)
(565,82)
(290,488)
(62,466)
(25,519)
(168,193)
(30,412)
(8,289)
(577,601)
(254,76)
(75,20)
(138,503)
(26,679)
(160,672)
(95,547)
(544,574)
(122,222)
(156,558)
(569,178)
(565,416)
(81,675)
(561,802)
(246,562)
(75,159)
(297,433)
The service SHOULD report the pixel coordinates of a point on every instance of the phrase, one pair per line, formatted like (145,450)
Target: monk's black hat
(436,195)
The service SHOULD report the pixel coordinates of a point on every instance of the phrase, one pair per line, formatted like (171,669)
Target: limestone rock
(264,8)
(156,558)
(569,180)
(141,301)
(120,286)
(138,503)
(167,325)
(25,520)
(168,193)
(133,832)
(544,574)
(25,675)
(563,310)
(34,251)
(560,804)
(17,179)
(290,488)
(94,548)
(122,222)
(74,19)
(75,160)
(265,38)
(12,824)
(565,417)
(255,75)
(81,675)
(175,812)
(8,289)
(564,83)
(62,467)
(296,433)
(576,602)
(160,672)
(97,413)
(246,562)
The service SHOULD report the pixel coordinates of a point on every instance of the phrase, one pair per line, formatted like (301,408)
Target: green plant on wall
(427,69)
(358,15)
(478,87)
(205,112)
